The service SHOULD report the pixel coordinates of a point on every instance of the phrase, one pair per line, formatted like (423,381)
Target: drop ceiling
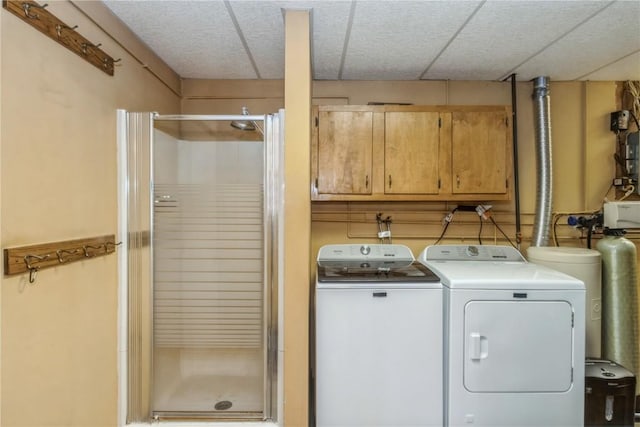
(395,39)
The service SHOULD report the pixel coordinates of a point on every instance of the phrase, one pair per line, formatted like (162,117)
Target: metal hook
(33,269)
(105,62)
(59,252)
(60,27)
(107,244)
(27,7)
(32,274)
(86,250)
(85,47)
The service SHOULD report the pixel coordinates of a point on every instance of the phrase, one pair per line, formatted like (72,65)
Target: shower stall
(200,204)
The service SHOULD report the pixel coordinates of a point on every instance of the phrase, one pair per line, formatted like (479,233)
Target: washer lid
(366,272)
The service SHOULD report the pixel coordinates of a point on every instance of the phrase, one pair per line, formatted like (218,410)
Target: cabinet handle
(389,181)
(458,180)
(366,181)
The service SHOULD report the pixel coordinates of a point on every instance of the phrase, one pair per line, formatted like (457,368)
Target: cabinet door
(479,152)
(344,152)
(411,152)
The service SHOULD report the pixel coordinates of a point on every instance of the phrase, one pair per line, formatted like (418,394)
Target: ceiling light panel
(397,40)
(602,40)
(503,34)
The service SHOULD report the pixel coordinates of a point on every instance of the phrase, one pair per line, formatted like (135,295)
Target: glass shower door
(213,298)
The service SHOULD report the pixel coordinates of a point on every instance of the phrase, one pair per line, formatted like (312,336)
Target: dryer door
(518,346)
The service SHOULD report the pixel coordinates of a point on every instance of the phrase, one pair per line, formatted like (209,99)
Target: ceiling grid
(395,39)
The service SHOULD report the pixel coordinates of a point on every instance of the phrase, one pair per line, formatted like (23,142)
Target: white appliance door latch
(479,346)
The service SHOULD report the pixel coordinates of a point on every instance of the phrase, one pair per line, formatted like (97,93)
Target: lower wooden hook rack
(31,259)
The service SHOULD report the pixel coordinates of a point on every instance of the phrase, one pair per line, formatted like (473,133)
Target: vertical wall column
(297,216)
(1,281)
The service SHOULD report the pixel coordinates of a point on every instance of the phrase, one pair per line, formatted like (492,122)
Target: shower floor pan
(192,383)
(213,396)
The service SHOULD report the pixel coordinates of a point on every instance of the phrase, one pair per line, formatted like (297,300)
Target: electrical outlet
(621,182)
(619,121)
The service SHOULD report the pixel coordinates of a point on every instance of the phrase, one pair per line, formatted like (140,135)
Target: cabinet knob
(366,181)
(389,181)
(458,180)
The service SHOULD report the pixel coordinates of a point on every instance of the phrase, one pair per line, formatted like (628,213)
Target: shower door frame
(136,351)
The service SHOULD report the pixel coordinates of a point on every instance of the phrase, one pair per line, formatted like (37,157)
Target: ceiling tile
(396,40)
(262,24)
(330,22)
(600,41)
(503,34)
(196,39)
(628,68)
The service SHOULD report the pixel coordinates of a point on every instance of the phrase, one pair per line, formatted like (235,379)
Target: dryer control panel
(472,253)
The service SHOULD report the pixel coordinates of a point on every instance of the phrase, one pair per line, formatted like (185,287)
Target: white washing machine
(378,339)
(515,339)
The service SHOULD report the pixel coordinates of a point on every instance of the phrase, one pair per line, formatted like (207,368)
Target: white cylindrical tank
(586,265)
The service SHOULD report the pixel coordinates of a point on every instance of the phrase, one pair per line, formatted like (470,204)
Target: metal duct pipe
(544,190)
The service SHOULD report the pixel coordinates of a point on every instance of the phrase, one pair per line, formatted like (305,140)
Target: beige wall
(58,181)
(58,175)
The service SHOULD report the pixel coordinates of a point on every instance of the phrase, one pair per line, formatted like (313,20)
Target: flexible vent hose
(619,302)
(544,193)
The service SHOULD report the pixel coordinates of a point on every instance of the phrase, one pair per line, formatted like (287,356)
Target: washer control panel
(365,252)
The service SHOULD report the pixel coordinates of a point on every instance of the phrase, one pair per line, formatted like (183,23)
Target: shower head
(244,124)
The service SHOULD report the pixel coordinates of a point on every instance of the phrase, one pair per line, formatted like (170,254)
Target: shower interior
(214,307)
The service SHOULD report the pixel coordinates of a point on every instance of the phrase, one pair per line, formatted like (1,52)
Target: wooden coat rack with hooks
(44,21)
(31,259)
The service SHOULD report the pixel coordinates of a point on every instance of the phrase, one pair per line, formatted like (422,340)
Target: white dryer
(514,339)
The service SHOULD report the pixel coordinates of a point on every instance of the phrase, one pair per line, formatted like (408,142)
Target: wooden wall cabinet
(411,153)
(344,155)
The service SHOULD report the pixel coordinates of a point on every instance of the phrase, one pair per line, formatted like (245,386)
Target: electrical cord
(634,91)
(555,229)
(501,231)
(484,214)
(635,119)
(447,220)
